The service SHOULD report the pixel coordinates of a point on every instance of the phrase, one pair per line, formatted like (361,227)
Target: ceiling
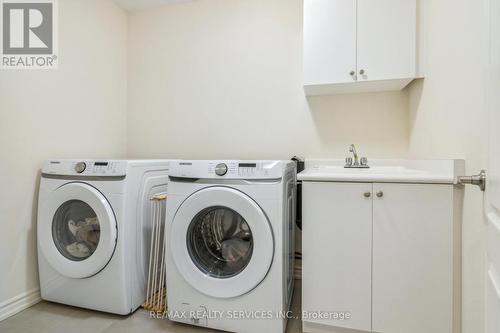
(142,4)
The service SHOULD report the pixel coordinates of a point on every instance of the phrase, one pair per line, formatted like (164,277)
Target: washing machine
(94,219)
(230,244)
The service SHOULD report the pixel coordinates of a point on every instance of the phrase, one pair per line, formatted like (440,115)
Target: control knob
(80,167)
(221,169)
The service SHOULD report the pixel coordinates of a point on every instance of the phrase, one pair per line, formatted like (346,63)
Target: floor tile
(42,317)
(47,317)
(141,321)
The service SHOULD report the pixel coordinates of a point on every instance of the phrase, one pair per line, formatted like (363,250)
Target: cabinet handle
(362,72)
(352,73)
(380,194)
(367,194)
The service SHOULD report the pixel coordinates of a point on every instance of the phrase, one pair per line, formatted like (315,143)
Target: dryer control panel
(229,169)
(88,168)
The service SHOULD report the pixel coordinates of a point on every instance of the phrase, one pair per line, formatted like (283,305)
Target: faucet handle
(348,161)
(363,161)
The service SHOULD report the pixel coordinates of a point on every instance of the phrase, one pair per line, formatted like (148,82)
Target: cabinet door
(386,39)
(337,234)
(412,258)
(329,41)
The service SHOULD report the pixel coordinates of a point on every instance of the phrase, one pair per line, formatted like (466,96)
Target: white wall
(447,120)
(223,79)
(77,110)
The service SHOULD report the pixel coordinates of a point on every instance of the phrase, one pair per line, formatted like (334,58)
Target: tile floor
(46,317)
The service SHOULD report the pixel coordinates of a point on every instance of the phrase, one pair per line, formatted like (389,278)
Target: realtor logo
(28,34)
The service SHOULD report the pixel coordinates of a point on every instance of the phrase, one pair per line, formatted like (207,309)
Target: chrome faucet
(356,163)
(352,149)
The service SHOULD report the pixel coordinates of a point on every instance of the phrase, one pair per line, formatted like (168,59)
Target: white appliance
(230,244)
(93,226)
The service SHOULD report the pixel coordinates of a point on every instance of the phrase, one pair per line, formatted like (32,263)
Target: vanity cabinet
(336,251)
(388,253)
(415,258)
(359,45)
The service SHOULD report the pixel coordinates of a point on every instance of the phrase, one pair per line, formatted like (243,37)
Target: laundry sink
(397,171)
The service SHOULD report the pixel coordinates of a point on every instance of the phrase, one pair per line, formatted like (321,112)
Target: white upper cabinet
(329,41)
(387,43)
(359,45)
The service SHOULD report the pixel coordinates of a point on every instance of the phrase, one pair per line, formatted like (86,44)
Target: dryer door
(77,230)
(221,242)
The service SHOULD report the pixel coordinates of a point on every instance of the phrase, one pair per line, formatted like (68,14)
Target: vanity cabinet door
(337,241)
(413,263)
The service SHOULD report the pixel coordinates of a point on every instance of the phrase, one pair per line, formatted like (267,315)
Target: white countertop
(385,171)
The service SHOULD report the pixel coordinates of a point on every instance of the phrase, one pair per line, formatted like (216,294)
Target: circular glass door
(221,242)
(76,230)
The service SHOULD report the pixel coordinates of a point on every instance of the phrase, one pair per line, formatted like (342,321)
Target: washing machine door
(221,242)
(77,230)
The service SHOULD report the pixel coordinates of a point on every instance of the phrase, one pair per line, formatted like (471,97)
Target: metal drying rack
(156,295)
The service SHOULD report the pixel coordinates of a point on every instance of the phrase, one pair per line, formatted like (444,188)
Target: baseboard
(18,303)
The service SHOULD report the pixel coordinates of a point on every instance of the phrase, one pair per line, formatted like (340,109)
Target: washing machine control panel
(220,169)
(95,168)
(228,169)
